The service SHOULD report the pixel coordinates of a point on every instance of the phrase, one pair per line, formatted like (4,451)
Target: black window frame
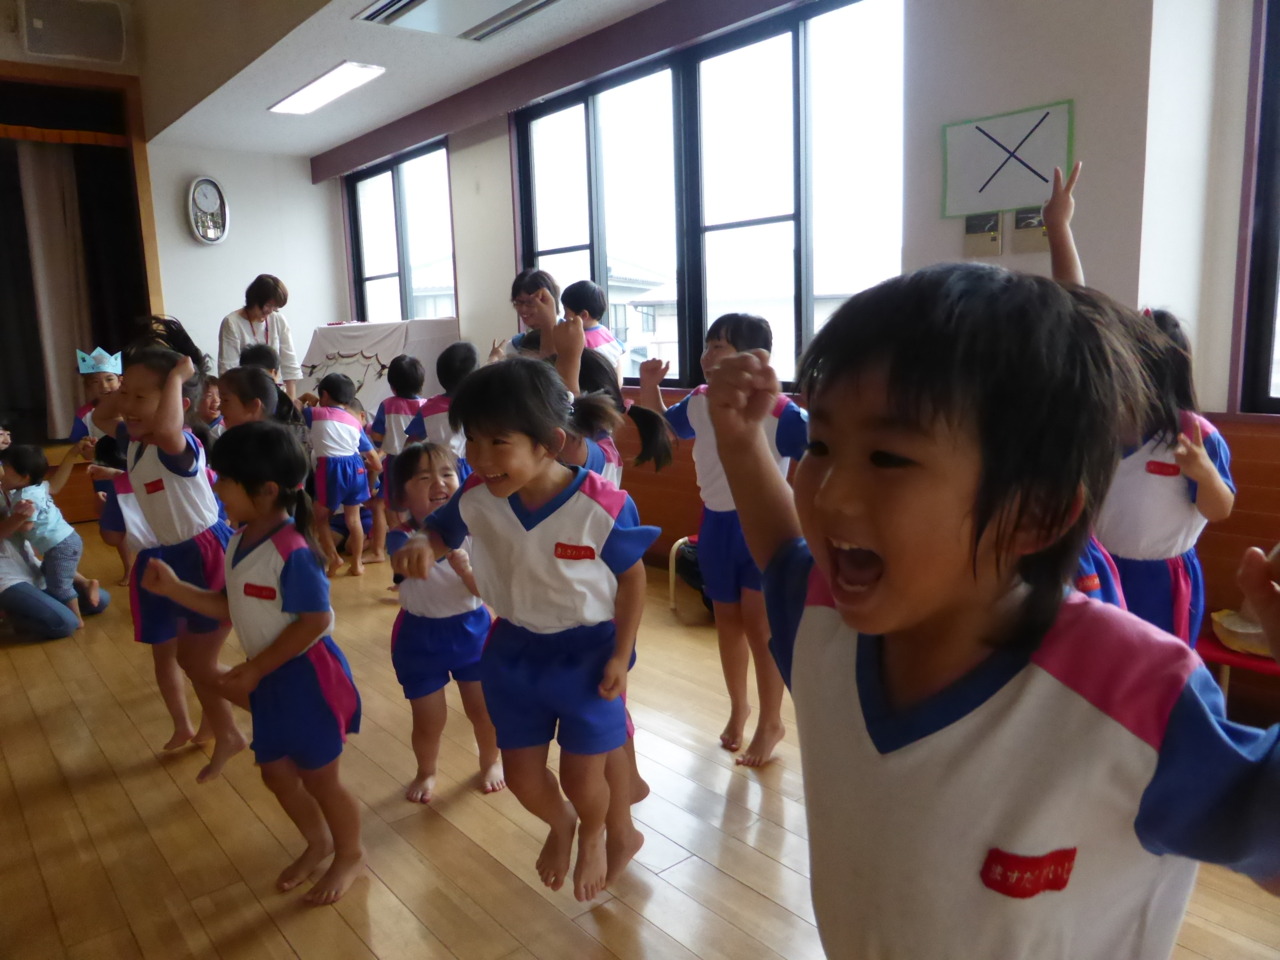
(351,184)
(691,316)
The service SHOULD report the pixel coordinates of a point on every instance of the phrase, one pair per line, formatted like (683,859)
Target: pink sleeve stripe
(287,539)
(610,450)
(699,390)
(1128,669)
(336,414)
(604,493)
(597,337)
(473,481)
(122,483)
(82,410)
(783,402)
(819,594)
(436,405)
(406,406)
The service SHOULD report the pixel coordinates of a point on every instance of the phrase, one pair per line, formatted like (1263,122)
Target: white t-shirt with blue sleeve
(270,583)
(443,594)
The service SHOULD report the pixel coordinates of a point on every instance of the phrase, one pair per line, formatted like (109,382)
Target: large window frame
(351,183)
(691,229)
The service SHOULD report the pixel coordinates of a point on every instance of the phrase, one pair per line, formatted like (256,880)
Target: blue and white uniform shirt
(787,432)
(217,427)
(122,513)
(1150,511)
(439,596)
(334,433)
(83,426)
(553,568)
(1050,804)
(270,583)
(392,421)
(432,425)
(603,458)
(174,493)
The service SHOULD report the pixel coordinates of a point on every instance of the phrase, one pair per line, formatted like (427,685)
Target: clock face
(207,210)
(206,197)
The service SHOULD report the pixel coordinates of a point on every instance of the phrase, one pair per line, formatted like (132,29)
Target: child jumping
(557,554)
(729,575)
(338,444)
(442,625)
(295,680)
(1038,770)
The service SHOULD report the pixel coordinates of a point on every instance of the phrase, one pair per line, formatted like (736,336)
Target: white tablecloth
(363,350)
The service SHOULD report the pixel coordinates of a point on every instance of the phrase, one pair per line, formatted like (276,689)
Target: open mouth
(856,568)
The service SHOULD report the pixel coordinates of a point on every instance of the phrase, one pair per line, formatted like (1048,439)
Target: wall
(484,231)
(280,223)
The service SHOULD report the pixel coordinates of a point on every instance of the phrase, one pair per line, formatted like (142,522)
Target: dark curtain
(22,390)
(113,257)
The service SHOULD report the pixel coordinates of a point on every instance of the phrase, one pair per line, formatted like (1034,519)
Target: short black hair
(26,459)
(1168,367)
(340,388)
(260,355)
(406,375)
(454,363)
(250,383)
(108,453)
(264,451)
(1045,374)
(743,331)
(531,281)
(583,296)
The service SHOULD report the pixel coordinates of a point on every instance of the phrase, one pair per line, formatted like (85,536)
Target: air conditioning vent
(465,19)
(73,29)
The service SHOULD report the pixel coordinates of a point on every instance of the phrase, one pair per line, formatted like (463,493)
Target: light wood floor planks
(109,850)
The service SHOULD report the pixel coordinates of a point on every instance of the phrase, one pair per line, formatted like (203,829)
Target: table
(1213,650)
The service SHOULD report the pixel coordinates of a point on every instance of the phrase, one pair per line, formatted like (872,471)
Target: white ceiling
(422,69)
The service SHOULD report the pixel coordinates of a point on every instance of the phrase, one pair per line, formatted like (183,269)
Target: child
(208,410)
(57,543)
(431,423)
(586,302)
(295,680)
(405,376)
(265,358)
(557,554)
(375,543)
(1033,766)
(99,375)
(122,523)
(729,576)
(441,628)
(168,474)
(338,443)
(247,394)
(1173,480)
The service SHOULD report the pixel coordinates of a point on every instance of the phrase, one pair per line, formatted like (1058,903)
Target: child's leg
(342,817)
(325,535)
(173,690)
(116,538)
(583,777)
(378,535)
(638,788)
(535,787)
(491,778)
(769,685)
(622,840)
(59,568)
(283,779)
(355,537)
(429,715)
(198,656)
(735,657)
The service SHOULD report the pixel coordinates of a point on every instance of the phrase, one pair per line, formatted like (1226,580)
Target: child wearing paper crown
(100,375)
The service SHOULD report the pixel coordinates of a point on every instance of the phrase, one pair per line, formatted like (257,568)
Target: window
(761,173)
(403,238)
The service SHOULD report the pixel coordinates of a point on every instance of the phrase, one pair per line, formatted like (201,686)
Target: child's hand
(1258,576)
(186,369)
(23,508)
(86,448)
(653,372)
(97,471)
(159,578)
(240,681)
(1061,205)
(307,400)
(741,392)
(547,310)
(614,682)
(460,562)
(414,560)
(498,350)
(1191,457)
(569,338)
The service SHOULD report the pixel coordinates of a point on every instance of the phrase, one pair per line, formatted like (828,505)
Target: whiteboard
(1006,161)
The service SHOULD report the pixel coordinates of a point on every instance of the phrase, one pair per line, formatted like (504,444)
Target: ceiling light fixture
(342,79)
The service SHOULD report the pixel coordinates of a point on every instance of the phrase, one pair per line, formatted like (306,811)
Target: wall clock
(207,212)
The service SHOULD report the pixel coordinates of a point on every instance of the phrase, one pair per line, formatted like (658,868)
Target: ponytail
(655,436)
(594,413)
(300,507)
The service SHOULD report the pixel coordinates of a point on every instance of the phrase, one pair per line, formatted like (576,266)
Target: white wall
(484,231)
(280,223)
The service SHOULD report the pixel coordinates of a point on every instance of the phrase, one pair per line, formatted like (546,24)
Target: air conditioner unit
(73,29)
(465,19)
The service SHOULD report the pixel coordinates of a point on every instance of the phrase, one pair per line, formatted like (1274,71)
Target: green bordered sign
(1005,161)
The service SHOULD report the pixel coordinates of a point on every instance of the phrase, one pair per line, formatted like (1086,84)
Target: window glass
(559,145)
(567,267)
(377,207)
(752,270)
(429,234)
(382,300)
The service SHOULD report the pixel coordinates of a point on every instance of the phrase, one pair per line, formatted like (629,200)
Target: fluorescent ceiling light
(343,78)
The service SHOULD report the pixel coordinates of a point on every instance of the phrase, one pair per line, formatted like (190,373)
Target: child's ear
(1032,537)
(270,489)
(186,404)
(561,438)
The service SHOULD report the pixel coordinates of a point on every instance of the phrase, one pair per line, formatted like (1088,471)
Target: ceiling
(422,69)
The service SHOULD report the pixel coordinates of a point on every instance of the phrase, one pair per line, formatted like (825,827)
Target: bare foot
(336,880)
(619,852)
(223,750)
(181,736)
(731,737)
(94,593)
(491,778)
(639,788)
(421,789)
(304,866)
(760,750)
(205,733)
(335,564)
(123,581)
(592,866)
(374,558)
(553,861)
(356,569)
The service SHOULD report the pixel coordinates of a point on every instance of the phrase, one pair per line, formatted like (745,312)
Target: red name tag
(1024,877)
(1162,469)
(259,592)
(1089,584)
(154,486)
(569,551)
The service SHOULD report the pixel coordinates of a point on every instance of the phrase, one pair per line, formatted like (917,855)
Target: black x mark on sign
(1013,154)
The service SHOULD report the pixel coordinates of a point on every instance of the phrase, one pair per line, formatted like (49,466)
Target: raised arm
(169,425)
(63,473)
(570,340)
(652,373)
(1064,258)
(160,578)
(741,393)
(416,558)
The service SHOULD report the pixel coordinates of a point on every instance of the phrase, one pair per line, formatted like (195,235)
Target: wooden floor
(110,850)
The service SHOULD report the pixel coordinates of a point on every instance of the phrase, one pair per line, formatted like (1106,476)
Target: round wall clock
(207,212)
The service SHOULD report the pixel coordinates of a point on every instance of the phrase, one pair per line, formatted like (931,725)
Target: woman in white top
(259,321)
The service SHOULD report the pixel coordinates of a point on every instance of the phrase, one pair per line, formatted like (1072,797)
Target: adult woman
(32,612)
(260,321)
